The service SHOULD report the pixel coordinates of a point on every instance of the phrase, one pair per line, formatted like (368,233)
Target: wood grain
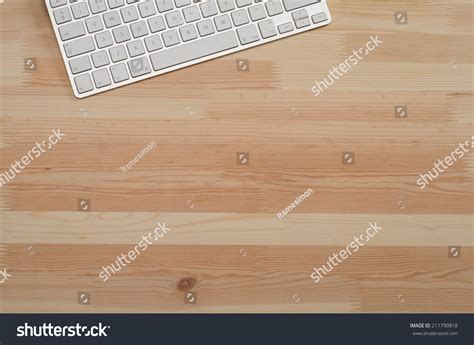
(225,232)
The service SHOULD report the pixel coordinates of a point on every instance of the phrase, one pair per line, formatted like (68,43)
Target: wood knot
(186,284)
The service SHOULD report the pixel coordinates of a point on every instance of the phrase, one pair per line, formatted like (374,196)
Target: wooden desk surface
(226,241)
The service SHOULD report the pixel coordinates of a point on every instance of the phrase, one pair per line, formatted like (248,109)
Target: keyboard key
(164,5)
(118,53)
(121,34)
(274,7)
(248,34)
(242,3)
(208,9)
(153,43)
(100,59)
(194,50)
(267,28)
(205,27)
(257,12)
(146,9)
(240,17)
(104,39)
(301,18)
(129,14)
(226,5)
(191,14)
(182,3)
(94,24)
(139,66)
(111,19)
(135,48)
(83,83)
(286,27)
(97,6)
(57,3)
(139,29)
(170,38)
(62,15)
(70,31)
(156,24)
(291,5)
(79,65)
(119,73)
(320,17)
(223,22)
(188,33)
(174,19)
(79,46)
(79,10)
(301,23)
(115,3)
(101,78)
(301,14)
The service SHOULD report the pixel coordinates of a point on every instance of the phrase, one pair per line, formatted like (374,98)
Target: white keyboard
(110,43)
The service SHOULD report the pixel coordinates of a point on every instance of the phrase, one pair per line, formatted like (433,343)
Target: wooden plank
(371,280)
(30,228)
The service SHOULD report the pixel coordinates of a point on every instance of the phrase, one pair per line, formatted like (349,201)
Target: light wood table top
(226,241)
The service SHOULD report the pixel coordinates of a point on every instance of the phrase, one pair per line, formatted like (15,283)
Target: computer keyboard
(106,44)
